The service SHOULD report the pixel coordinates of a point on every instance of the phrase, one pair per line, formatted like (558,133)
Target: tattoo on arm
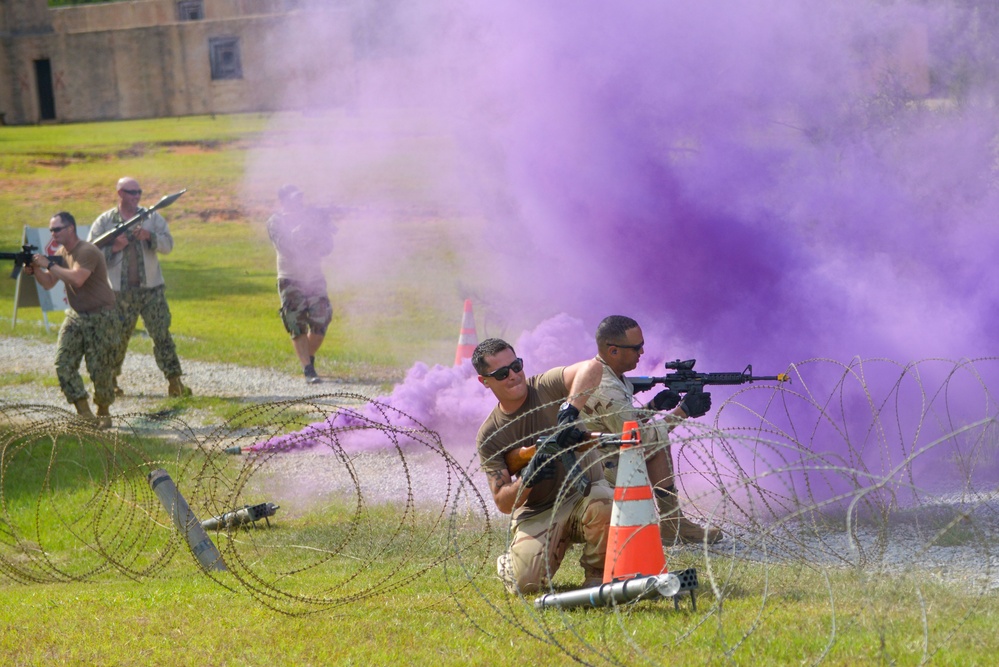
(496,480)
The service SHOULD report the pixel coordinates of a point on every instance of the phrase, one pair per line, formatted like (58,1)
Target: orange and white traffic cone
(467,339)
(635,568)
(634,547)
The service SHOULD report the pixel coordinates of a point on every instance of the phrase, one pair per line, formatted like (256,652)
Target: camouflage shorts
(304,307)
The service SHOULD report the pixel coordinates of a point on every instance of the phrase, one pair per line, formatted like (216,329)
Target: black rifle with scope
(688,381)
(685,380)
(24,258)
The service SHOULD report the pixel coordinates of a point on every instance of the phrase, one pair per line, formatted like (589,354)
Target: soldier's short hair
(613,328)
(66,218)
(488,348)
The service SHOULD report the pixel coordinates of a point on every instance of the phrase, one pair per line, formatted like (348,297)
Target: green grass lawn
(183,620)
(221,277)
(94,572)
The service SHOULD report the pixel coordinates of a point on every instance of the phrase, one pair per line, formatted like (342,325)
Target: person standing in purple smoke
(620,345)
(546,518)
(302,236)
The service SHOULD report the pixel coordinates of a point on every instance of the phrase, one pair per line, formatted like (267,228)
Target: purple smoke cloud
(757,181)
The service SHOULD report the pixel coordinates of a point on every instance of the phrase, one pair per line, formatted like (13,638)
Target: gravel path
(146,389)
(428,478)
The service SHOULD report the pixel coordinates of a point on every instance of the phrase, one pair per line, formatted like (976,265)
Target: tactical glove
(667,399)
(696,404)
(567,413)
(539,468)
(568,436)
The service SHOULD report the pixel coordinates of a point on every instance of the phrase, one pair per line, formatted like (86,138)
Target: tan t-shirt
(95,293)
(538,415)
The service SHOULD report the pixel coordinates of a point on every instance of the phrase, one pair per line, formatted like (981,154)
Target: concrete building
(154,58)
(160,58)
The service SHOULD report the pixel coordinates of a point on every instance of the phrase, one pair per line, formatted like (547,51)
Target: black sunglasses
(503,372)
(57,229)
(131,192)
(636,348)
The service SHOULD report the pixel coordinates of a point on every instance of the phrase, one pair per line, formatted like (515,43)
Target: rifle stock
(517,458)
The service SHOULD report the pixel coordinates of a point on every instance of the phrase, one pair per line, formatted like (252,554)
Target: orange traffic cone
(634,547)
(466,339)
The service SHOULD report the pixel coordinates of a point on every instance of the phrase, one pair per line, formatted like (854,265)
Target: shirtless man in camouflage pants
(137,279)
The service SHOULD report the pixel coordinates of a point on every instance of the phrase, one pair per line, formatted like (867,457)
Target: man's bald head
(129,194)
(127,183)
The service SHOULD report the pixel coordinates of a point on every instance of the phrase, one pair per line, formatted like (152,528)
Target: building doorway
(46,93)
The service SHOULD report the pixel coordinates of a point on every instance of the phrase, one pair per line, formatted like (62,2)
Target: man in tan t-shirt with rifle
(90,329)
(553,505)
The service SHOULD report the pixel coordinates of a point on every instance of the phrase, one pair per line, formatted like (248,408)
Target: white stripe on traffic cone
(467,339)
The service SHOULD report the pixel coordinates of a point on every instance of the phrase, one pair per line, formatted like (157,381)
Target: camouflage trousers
(151,304)
(540,542)
(94,337)
(304,307)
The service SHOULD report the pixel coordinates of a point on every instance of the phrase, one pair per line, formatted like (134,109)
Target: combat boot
(103,417)
(83,409)
(675,528)
(177,388)
(311,377)
(592,578)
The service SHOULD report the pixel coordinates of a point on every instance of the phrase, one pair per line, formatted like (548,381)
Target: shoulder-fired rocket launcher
(108,237)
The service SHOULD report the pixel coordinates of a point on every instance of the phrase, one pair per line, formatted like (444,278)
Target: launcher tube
(644,588)
(185,521)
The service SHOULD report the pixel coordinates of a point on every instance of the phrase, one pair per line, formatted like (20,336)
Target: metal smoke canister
(246,514)
(185,521)
(620,592)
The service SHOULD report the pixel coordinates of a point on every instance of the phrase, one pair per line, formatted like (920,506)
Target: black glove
(567,413)
(696,404)
(568,436)
(539,468)
(667,399)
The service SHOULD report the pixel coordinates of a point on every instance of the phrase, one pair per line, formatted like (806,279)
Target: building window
(190,10)
(224,55)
